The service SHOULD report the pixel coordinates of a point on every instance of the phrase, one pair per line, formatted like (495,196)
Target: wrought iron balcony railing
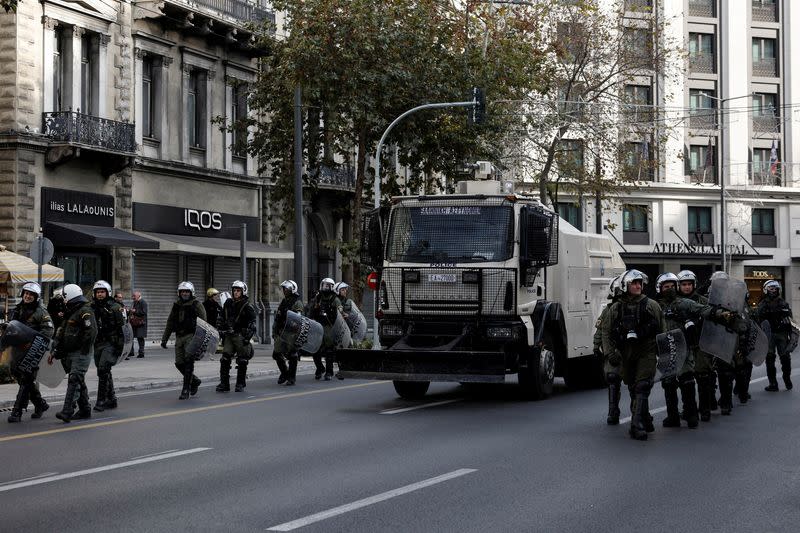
(766,67)
(238,9)
(638,5)
(766,123)
(703,119)
(334,178)
(87,130)
(765,12)
(702,62)
(707,175)
(701,8)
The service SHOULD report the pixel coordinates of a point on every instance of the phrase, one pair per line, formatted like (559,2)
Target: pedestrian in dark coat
(138,320)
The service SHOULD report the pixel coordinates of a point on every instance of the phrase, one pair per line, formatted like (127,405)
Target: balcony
(765,12)
(238,10)
(702,176)
(638,5)
(760,174)
(701,8)
(112,143)
(703,119)
(766,124)
(765,68)
(338,178)
(702,62)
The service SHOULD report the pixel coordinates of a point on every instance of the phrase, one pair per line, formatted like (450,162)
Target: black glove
(164,344)
(598,353)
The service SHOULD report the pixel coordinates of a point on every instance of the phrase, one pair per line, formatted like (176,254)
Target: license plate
(442,278)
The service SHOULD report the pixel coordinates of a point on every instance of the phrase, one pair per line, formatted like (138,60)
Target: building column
(186,71)
(48,89)
(162,97)
(72,82)
(228,134)
(137,94)
(209,160)
(101,77)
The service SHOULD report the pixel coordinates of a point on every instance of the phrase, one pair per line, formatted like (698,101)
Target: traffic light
(477,113)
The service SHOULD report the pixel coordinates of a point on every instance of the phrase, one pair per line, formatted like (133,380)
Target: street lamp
(723,214)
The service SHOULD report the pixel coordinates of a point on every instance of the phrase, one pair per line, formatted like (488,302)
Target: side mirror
(538,237)
(372,238)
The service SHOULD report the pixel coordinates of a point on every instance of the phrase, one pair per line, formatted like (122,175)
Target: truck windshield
(458,234)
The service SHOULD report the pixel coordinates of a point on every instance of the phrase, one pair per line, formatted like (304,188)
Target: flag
(773,158)
(709,162)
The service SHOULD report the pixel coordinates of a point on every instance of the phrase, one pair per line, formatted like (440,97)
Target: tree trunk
(361,164)
(548,164)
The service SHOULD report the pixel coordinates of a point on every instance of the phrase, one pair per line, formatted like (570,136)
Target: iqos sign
(202,220)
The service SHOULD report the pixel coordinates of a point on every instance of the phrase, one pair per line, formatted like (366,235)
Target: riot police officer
(56,307)
(613,373)
(238,327)
(75,348)
(110,318)
(324,308)
(777,312)
(284,349)
(183,321)
(704,372)
(31,313)
(629,339)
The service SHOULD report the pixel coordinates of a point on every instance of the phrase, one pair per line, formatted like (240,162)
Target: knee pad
(74,379)
(612,378)
(225,360)
(643,387)
(686,378)
(241,362)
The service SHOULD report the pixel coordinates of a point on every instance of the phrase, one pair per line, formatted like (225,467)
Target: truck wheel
(536,376)
(411,390)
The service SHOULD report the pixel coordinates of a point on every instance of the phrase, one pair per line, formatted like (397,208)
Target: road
(351,456)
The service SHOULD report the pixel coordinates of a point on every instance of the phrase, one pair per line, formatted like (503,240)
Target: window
(58,70)
(148,97)
(700,225)
(196,109)
(569,156)
(87,96)
(638,45)
(702,159)
(238,115)
(638,164)
(639,99)
(634,224)
(763,226)
(571,212)
(701,52)
(763,173)
(765,10)
(765,113)
(702,113)
(764,57)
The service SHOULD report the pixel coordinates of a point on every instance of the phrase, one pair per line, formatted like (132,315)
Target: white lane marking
(154,454)
(414,408)
(660,409)
(89,471)
(324,515)
(28,478)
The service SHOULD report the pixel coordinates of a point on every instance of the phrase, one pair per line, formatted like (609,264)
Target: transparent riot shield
(340,333)
(720,340)
(302,333)
(223,297)
(204,342)
(756,343)
(51,375)
(28,346)
(127,338)
(672,353)
(794,337)
(357,323)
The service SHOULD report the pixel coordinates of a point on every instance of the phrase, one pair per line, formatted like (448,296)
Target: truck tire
(411,390)
(536,375)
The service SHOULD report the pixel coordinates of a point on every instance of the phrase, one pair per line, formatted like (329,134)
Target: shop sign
(703,249)
(191,221)
(75,207)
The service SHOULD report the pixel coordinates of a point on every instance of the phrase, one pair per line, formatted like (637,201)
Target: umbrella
(15,268)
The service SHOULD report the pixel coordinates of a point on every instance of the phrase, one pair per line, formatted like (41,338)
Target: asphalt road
(350,456)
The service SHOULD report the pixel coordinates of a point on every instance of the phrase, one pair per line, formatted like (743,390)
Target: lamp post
(723,229)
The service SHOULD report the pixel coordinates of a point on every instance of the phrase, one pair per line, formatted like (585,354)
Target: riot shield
(49,375)
(672,353)
(223,297)
(204,342)
(718,339)
(28,346)
(357,323)
(340,333)
(302,333)
(794,337)
(127,337)
(756,343)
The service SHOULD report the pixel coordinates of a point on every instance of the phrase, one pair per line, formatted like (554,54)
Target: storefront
(756,276)
(81,226)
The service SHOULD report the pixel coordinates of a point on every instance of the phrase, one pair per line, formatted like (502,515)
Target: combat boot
(689,403)
(787,380)
(281,362)
(224,375)
(725,394)
(713,404)
(195,385)
(73,389)
(613,404)
(102,390)
(20,403)
(673,419)
(637,430)
(329,359)
(82,414)
(39,405)
(702,395)
(187,386)
(292,373)
(241,376)
(111,394)
(320,368)
(786,369)
(772,377)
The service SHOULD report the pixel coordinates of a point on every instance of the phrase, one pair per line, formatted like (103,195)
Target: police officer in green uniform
(75,348)
(629,339)
(703,362)
(110,317)
(284,344)
(238,327)
(613,373)
(324,308)
(31,313)
(777,312)
(182,321)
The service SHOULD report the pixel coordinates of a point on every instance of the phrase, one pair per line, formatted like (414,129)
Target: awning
(17,268)
(80,235)
(216,247)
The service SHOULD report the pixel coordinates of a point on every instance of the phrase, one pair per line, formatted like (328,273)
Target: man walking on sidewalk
(183,321)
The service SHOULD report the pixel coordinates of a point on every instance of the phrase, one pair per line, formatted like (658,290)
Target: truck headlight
(498,333)
(470,276)
(391,330)
(411,276)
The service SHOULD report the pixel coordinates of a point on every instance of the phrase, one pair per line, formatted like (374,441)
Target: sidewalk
(157,370)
